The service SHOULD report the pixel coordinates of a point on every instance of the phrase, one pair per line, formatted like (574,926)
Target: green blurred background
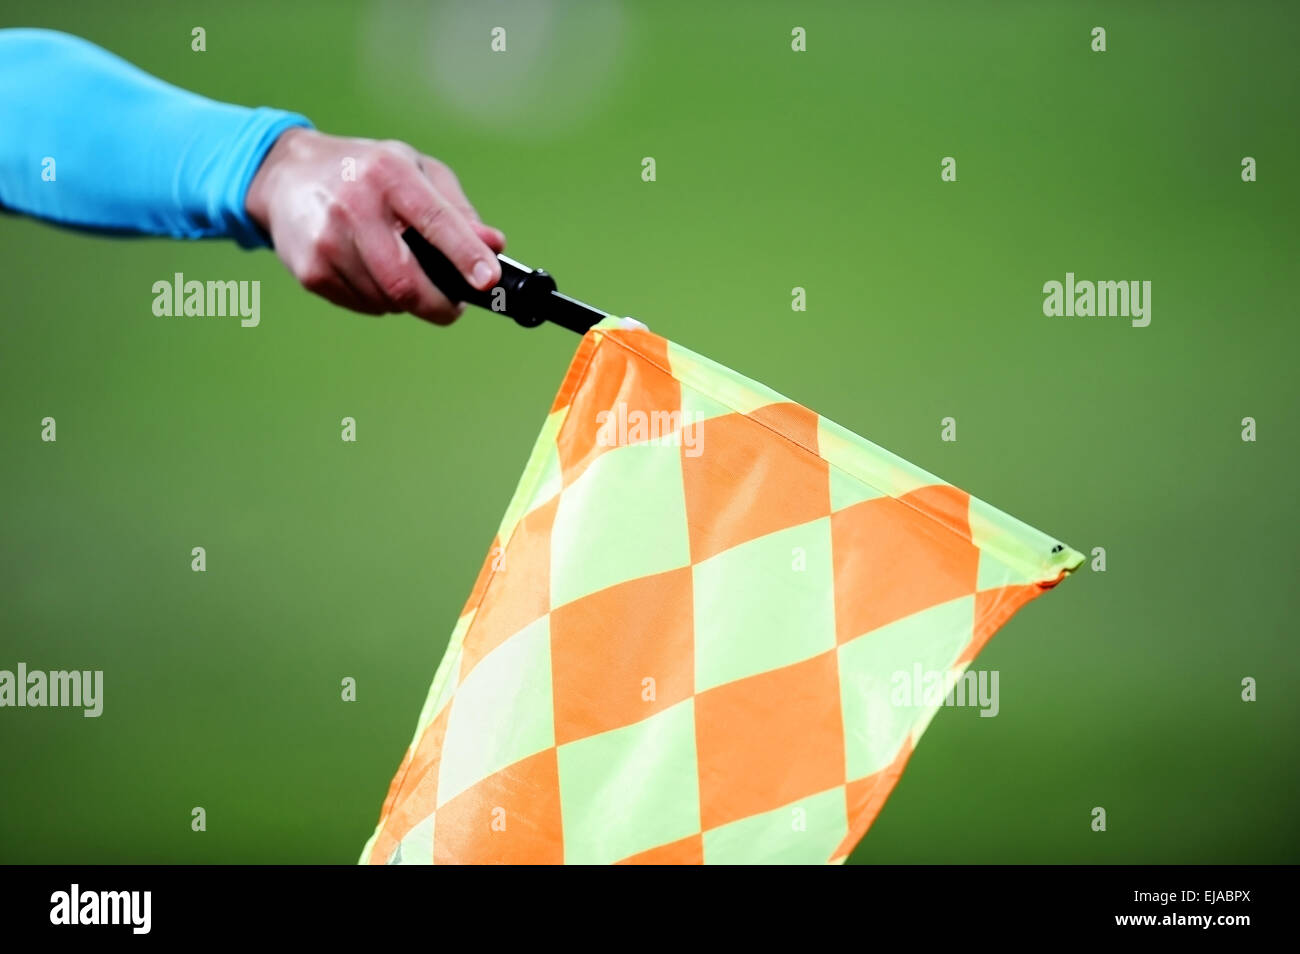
(775,169)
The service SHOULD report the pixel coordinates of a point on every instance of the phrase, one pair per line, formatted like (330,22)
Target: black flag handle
(528,295)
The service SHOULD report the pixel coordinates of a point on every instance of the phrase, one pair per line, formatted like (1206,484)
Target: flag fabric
(694,636)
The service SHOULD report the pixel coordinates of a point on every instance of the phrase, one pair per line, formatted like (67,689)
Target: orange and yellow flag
(698,632)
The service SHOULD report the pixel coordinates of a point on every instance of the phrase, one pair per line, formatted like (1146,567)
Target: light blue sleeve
(88,140)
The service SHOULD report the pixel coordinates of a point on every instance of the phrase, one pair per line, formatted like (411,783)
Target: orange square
(510,818)
(518,590)
(748,480)
(896,556)
(768,740)
(605,646)
(792,421)
(616,375)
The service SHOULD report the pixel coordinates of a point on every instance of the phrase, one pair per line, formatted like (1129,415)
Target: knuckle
(399,154)
(352,204)
(396,148)
(338,212)
(432,218)
(401,291)
(316,276)
(382,167)
(326,247)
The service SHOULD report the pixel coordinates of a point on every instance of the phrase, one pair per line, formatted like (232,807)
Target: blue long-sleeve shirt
(88,140)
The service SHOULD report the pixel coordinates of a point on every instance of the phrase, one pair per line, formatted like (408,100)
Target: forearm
(87,139)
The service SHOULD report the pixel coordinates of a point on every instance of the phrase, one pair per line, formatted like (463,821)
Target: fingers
(331,284)
(353,272)
(397,277)
(495,239)
(416,201)
(341,237)
(446,182)
(354,259)
(349,297)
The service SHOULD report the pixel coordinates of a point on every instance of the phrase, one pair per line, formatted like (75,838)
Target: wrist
(257,201)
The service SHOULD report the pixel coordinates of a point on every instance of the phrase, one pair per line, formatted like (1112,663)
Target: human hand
(341,237)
